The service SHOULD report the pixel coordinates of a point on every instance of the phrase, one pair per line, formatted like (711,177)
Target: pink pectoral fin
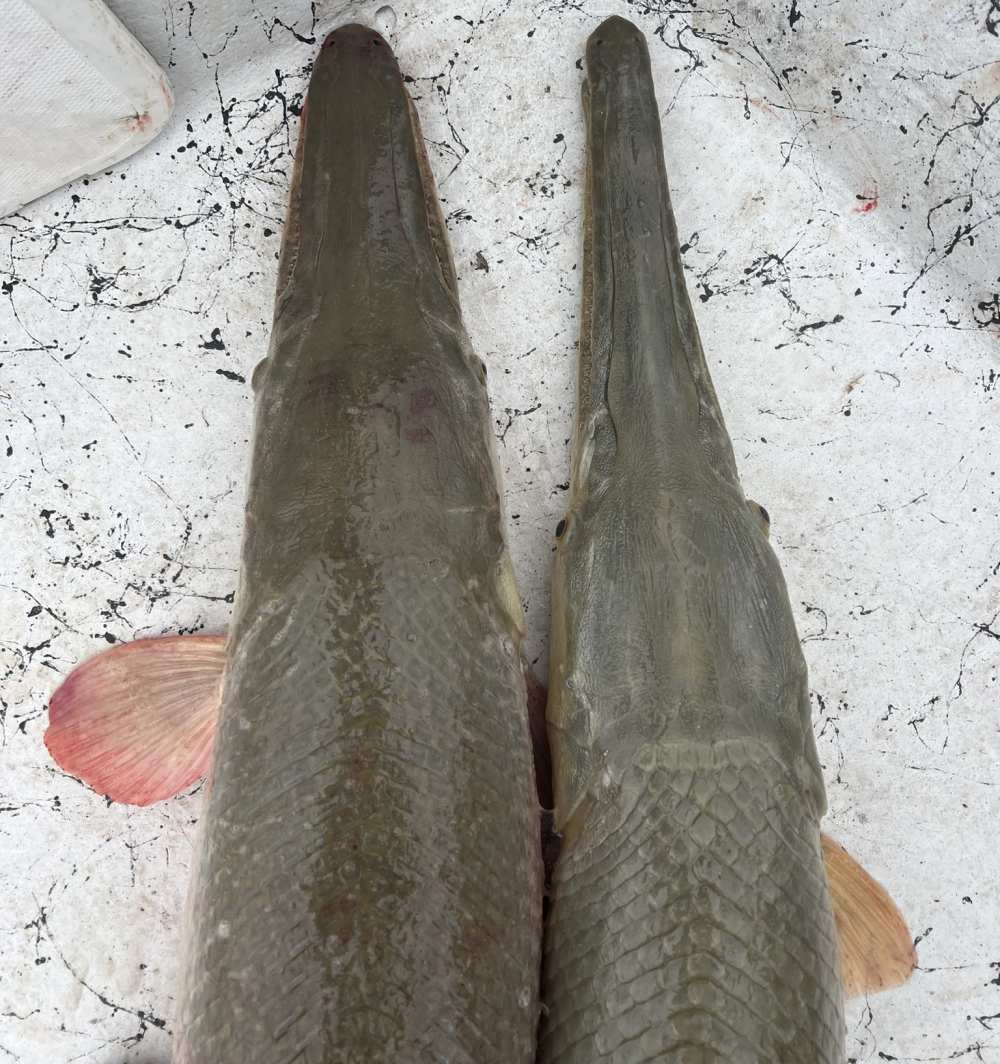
(137,722)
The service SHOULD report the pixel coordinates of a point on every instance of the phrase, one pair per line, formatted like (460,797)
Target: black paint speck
(215,344)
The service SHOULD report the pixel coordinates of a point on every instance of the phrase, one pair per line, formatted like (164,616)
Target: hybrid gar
(368,882)
(691,918)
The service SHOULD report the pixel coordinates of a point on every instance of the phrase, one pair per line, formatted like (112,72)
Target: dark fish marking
(321,388)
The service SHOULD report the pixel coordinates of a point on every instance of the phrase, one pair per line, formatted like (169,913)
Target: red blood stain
(421,435)
(759,103)
(135,123)
(869,200)
(422,400)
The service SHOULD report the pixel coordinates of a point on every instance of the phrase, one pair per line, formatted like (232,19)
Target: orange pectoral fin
(876,948)
(137,722)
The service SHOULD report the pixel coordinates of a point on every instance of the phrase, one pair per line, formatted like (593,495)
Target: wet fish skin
(368,883)
(691,917)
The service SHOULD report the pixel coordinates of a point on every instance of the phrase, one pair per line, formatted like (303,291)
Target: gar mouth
(436,227)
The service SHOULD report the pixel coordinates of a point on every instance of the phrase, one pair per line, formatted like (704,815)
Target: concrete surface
(836,184)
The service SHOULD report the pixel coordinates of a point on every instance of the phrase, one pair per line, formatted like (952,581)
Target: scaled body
(691,919)
(368,882)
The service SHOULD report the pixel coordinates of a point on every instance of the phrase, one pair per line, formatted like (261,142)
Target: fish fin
(137,722)
(876,948)
(538,698)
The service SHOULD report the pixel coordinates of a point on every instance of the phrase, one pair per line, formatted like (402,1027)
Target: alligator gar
(368,881)
(691,919)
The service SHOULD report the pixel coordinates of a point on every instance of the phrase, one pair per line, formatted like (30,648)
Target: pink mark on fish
(422,399)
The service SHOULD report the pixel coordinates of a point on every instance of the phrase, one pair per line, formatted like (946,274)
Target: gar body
(691,919)
(363,889)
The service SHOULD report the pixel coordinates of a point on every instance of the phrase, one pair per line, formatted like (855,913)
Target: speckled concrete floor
(835,174)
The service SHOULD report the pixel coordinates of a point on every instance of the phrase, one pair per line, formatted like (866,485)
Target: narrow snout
(646,398)
(363,217)
(616,44)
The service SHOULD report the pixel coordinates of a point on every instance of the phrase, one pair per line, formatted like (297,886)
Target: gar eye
(563,530)
(762,516)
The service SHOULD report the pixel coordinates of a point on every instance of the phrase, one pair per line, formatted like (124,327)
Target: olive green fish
(368,882)
(691,919)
